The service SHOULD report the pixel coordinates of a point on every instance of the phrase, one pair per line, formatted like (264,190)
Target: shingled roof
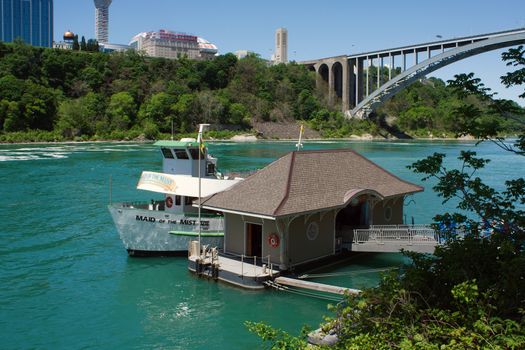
(306,181)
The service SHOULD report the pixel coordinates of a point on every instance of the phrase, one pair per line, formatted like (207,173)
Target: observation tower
(102,20)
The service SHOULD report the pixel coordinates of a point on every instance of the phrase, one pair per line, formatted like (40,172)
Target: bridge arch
(337,73)
(350,77)
(324,72)
(390,88)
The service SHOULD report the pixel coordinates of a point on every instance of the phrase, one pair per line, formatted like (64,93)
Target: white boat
(165,227)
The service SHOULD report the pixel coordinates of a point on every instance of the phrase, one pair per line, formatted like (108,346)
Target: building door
(253,239)
(354,215)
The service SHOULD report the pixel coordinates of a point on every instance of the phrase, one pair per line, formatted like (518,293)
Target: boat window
(188,200)
(210,169)
(181,154)
(167,153)
(177,200)
(195,153)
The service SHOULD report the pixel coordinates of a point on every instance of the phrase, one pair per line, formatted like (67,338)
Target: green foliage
(31,136)
(462,107)
(35,81)
(121,110)
(335,125)
(515,57)
(278,339)
(52,89)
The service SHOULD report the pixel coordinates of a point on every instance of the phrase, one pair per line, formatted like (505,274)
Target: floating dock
(243,273)
(210,264)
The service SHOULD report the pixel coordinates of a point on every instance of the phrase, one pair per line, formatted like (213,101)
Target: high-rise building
(281,46)
(102,20)
(29,20)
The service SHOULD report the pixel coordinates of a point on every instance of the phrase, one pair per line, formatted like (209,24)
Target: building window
(177,200)
(188,200)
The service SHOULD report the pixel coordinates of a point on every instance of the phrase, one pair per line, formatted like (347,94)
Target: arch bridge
(364,81)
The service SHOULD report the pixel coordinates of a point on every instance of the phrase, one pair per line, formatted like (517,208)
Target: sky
(316,29)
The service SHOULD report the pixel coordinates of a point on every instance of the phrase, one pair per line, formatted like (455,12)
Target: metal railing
(269,265)
(409,234)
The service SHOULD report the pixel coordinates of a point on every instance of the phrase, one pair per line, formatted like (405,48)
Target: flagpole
(199,140)
(300,143)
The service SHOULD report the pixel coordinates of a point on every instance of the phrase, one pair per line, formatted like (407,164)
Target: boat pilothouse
(165,227)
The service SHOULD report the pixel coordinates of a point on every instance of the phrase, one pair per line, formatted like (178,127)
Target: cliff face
(283,130)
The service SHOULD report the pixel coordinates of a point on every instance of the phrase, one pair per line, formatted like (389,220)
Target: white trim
(225,234)
(242,213)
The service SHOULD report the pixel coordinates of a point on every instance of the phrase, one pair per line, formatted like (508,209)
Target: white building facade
(281,46)
(169,44)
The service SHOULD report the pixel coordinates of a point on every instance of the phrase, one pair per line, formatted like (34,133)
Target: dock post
(255,265)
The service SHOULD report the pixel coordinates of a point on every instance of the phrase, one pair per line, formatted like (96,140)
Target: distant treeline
(91,94)
(63,94)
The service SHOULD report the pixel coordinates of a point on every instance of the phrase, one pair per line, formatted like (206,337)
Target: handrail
(401,233)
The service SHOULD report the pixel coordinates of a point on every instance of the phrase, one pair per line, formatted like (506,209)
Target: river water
(67,281)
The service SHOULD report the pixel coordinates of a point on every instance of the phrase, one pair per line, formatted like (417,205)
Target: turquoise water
(67,282)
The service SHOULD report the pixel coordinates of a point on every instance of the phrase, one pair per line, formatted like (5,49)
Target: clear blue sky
(315,28)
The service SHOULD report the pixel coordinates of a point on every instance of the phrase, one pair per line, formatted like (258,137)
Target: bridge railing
(406,234)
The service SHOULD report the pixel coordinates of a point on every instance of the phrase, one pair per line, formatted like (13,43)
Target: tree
(79,116)
(76,46)
(121,110)
(92,77)
(209,107)
(92,45)
(158,109)
(83,45)
(184,112)
(306,105)
(10,116)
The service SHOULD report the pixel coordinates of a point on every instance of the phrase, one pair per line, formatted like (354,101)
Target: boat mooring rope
(347,273)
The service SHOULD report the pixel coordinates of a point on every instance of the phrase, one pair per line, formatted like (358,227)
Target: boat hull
(147,232)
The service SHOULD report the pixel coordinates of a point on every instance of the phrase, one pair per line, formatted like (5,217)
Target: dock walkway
(392,238)
(320,287)
(234,271)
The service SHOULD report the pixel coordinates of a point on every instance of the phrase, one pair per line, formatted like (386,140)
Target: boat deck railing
(160,205)
(152,205)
